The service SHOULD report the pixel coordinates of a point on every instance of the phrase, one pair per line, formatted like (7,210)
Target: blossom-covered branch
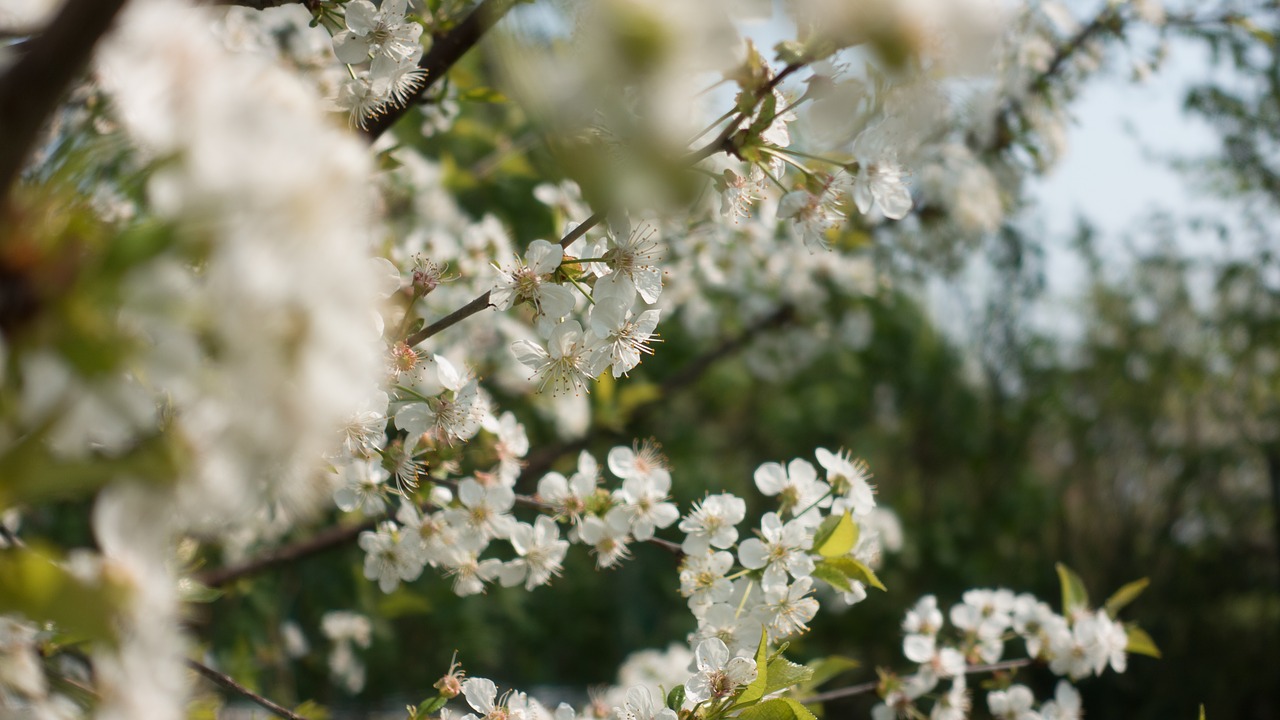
(340,535)
(446,49)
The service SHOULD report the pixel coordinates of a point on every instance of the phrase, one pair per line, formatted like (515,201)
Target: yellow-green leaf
(784,674)
(1125,595)
(840,540)
(1140,643)
(43,591)
(777,709)
(832,576)
(855,570)
(1074,595)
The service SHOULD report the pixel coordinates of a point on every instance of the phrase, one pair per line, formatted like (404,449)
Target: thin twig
(225,681)
(867,687)
(482,302)
(32,87)
(722,143)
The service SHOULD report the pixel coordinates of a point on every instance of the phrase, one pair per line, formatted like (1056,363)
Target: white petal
(362,17)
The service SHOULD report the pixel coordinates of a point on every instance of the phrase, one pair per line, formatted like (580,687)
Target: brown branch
(32,87)
(867,687)
(225,681)
(482,302)
(446,50)
(331,537)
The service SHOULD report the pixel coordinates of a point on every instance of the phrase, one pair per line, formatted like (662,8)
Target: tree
(224,314)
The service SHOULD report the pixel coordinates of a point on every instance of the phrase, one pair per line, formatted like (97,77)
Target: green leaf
(675,698)
(1202,711)
(1140,643)
(42,590)
(836,536)
(777,709)
(1125,595)
(855,570)
(784,674)
(755,690)
(832,576)
(827,668)
(1074,596)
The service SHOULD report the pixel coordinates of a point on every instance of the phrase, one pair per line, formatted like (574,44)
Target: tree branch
(867,687)
(50,62)
(482,302)
(339,535)
(446,50)
(264,4)
(225,681)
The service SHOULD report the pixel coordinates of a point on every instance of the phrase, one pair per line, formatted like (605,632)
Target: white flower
(481,695)
(954,704)
(641,706)
(388,559)
(925,618)
(469,572)
(1012,704)
(879,178)
(531,280)
(512,444)
(713,523)
(738,195)
(633,270)
(784,549)
(541,552)
(607,536)
(738,630)
(569,496)
(564,364)
(1065,704)
(788,609)
(641,460)
(454,414)
(642,500)
(719,675)
(702,578)
(382,32)
(484,511)
(812,214)
(797,487)
(362,487)
(618,337)
(849,480)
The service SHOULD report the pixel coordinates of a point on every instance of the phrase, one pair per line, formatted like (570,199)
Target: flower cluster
(388,43)
(1080,643)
